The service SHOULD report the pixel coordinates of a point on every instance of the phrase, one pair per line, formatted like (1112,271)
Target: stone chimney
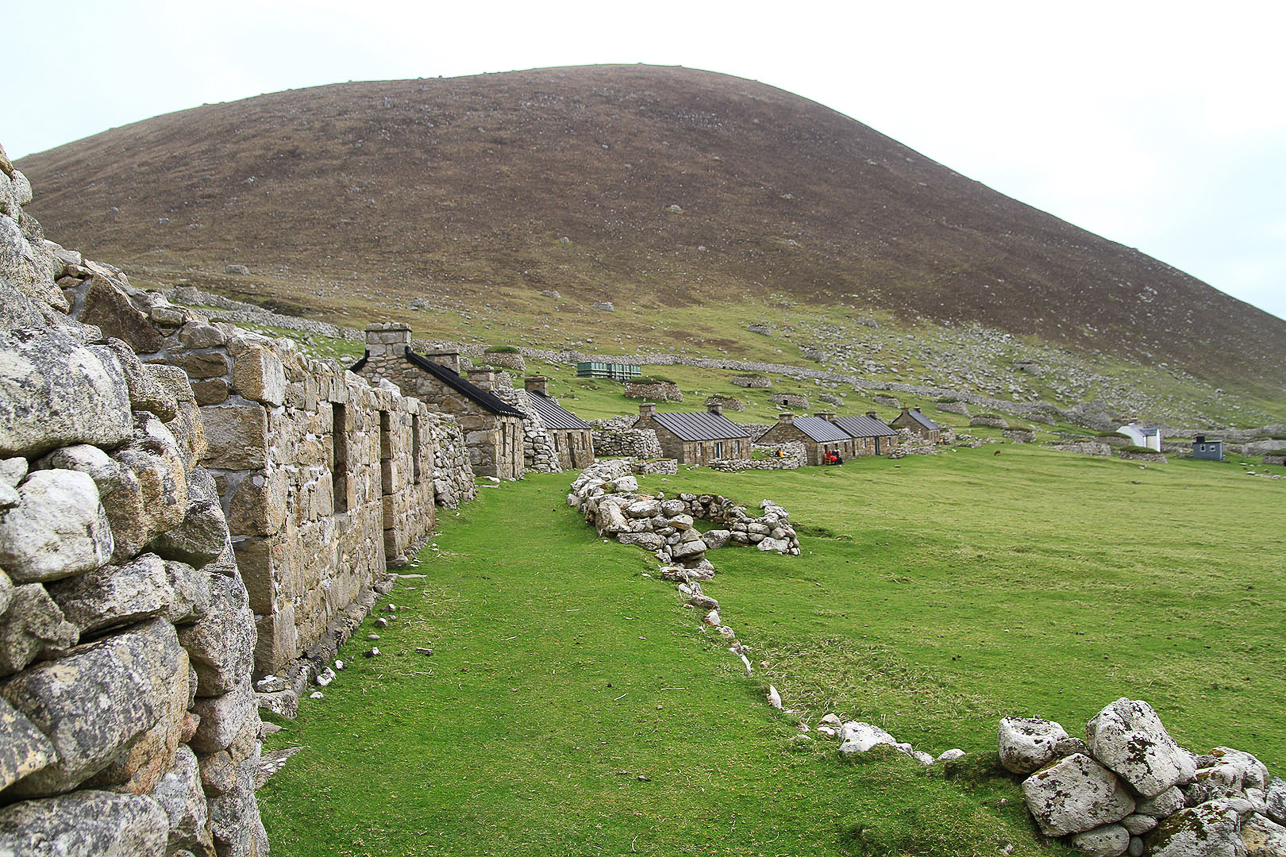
(483,378)
(715,408)
(537,384)
(449,359)
(647,409)
(829,416)
(388,339)
(785,419)
(872,415)
(906,412)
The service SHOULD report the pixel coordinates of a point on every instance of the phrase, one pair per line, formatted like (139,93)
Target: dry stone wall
(127,717)
(183,505)
(1128,787)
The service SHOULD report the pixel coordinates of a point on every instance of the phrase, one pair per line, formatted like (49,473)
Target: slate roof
(864,427)
(820,429)
(485,398)
(700,426)
(922,420)
(553,414)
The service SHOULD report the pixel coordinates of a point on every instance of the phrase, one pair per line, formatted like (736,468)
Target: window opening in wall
(415,449)
(339,456)
(386,452)
(718,449)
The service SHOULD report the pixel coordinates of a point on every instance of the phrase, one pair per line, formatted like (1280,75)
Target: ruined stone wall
(453,480)
(324,479)
(632,443)
(182,505)
(495,443)
(126,639)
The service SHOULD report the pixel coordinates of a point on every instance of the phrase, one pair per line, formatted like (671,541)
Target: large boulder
(59,528)
(858,737)
(1163,805)
(1207,830)
(55,392)
(114,594)
(84,824)
(1028,743)
(1127,736)
(1075,794)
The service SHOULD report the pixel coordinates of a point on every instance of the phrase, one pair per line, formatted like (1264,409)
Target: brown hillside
(464,187)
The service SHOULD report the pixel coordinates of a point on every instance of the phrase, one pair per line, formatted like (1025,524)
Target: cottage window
(339,456)
(718,449)
(415,449)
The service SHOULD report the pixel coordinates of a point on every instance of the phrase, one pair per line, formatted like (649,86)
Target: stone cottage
(819,436)
(871,435)
(695,438)
(493,428)
(918,424)
(572,437)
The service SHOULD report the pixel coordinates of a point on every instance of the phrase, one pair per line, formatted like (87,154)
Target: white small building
(1147,437)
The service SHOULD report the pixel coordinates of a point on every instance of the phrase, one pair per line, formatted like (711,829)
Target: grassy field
(571,706)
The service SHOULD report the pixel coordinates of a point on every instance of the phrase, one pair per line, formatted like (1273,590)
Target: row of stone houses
(701,438)
(498,434)
(825,433)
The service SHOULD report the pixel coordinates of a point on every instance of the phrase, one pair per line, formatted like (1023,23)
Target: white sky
(1161,125)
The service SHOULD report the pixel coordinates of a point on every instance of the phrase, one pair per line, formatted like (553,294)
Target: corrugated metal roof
(485,398)
(865,427)
(820,429)
(553,413)
(700,426)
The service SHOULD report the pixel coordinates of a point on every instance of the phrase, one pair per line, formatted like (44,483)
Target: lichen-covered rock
(221,643)
(234,815)
(1163,805)
(1275,799)
(84,824)
(31,627)
(179,793)
(58,528)
(24,749)
(1028,743)
(647,541)
(93,704)
(55,392)
(1075,794)
(1253,774)
(1263,837)
(1127,736)
(203,536)
(145,392)
(114,594)
(716,539)
(1208,830)
(153,493)
(1107,841)
(85,459)
(223,717)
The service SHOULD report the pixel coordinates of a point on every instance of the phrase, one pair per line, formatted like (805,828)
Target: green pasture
(571,706)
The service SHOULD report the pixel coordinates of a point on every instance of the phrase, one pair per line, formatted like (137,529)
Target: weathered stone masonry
(169,526)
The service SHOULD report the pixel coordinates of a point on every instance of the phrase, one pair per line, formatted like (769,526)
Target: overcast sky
(1161,125)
